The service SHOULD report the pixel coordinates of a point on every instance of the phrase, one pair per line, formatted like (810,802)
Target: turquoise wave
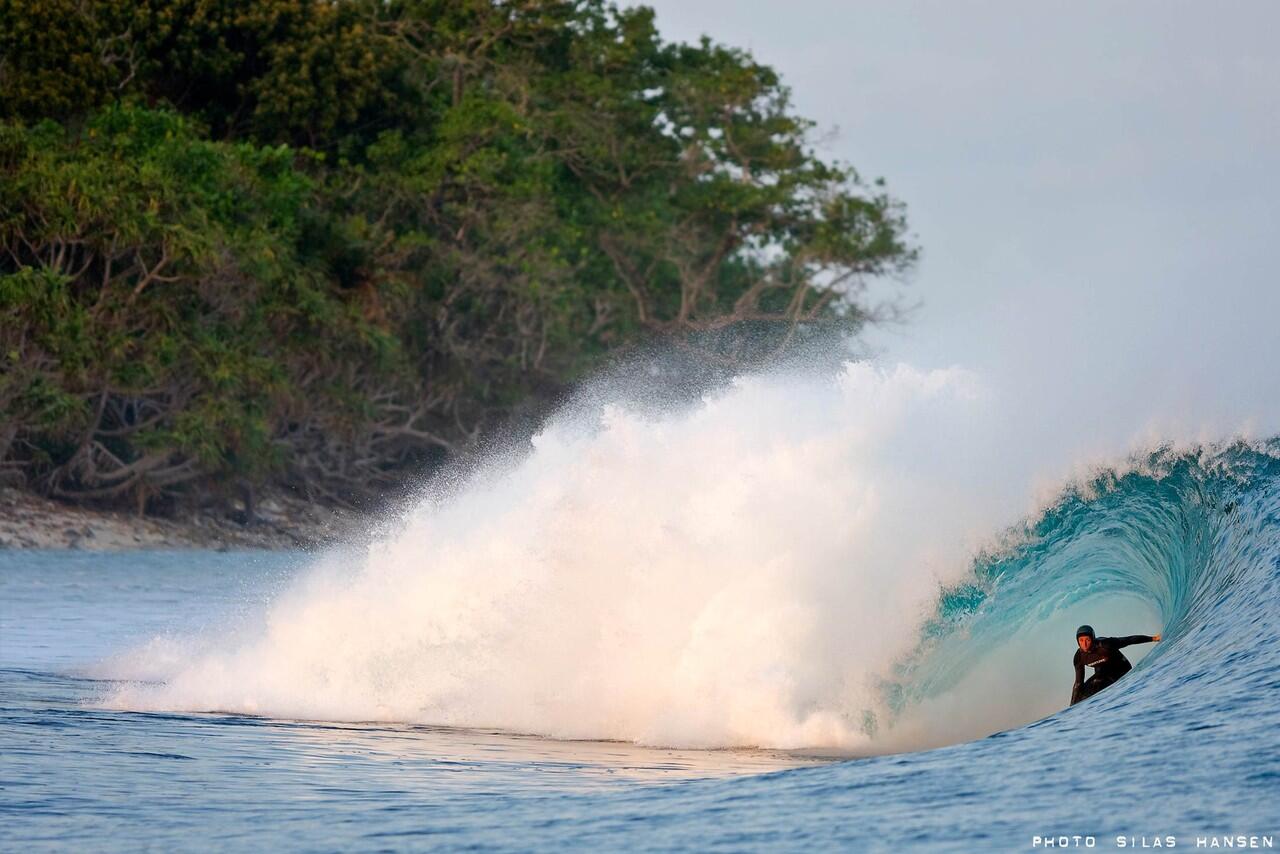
(1193,535)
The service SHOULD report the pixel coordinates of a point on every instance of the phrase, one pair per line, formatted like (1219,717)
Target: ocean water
(622,640)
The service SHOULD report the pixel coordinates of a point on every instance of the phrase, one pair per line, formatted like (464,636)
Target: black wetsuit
(1108,664)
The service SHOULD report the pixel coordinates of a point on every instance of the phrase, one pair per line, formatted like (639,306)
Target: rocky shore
(28,521)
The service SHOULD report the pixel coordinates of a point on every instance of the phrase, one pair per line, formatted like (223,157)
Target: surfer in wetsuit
(1104,656)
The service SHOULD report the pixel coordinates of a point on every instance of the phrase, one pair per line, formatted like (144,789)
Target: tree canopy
(321,243)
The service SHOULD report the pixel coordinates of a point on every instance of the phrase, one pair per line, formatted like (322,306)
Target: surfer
(1104,656)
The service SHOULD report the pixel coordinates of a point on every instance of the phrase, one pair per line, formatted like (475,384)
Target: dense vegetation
(321,243)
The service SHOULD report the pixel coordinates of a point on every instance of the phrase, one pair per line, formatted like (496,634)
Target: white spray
(741,572)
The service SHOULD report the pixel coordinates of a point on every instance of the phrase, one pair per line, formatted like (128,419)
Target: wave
(795,561)
(1183,542)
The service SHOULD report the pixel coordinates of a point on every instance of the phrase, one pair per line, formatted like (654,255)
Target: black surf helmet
(1086,630)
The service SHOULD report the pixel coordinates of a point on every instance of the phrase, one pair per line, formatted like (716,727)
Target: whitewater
(797,560)
(738,572)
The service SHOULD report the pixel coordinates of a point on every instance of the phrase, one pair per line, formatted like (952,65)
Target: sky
(1095,186)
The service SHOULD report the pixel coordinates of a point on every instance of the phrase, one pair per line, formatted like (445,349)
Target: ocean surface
(122,727)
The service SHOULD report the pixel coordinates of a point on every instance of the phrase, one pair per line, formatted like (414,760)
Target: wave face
(787,563)
(1186,543)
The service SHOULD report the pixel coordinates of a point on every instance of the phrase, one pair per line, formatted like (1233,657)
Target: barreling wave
(1187,538)
(788,563)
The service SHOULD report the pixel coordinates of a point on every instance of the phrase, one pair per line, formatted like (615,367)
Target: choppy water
(1186,745)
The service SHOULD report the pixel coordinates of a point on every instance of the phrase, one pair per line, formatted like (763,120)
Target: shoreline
(30,521)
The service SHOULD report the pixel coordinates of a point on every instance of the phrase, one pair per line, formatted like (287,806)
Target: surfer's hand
(1155,638)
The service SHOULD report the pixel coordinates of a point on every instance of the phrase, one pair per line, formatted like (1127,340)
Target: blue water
(1186,745)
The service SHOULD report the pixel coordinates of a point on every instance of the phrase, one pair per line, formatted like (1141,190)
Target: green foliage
(317,241)
(278,70)
(157,305)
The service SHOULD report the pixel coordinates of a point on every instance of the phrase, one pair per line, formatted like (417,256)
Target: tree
(323,243)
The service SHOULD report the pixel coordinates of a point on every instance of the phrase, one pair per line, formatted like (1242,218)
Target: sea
(718,628)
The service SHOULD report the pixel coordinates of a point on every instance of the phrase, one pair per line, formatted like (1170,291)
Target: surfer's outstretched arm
(1132,639)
